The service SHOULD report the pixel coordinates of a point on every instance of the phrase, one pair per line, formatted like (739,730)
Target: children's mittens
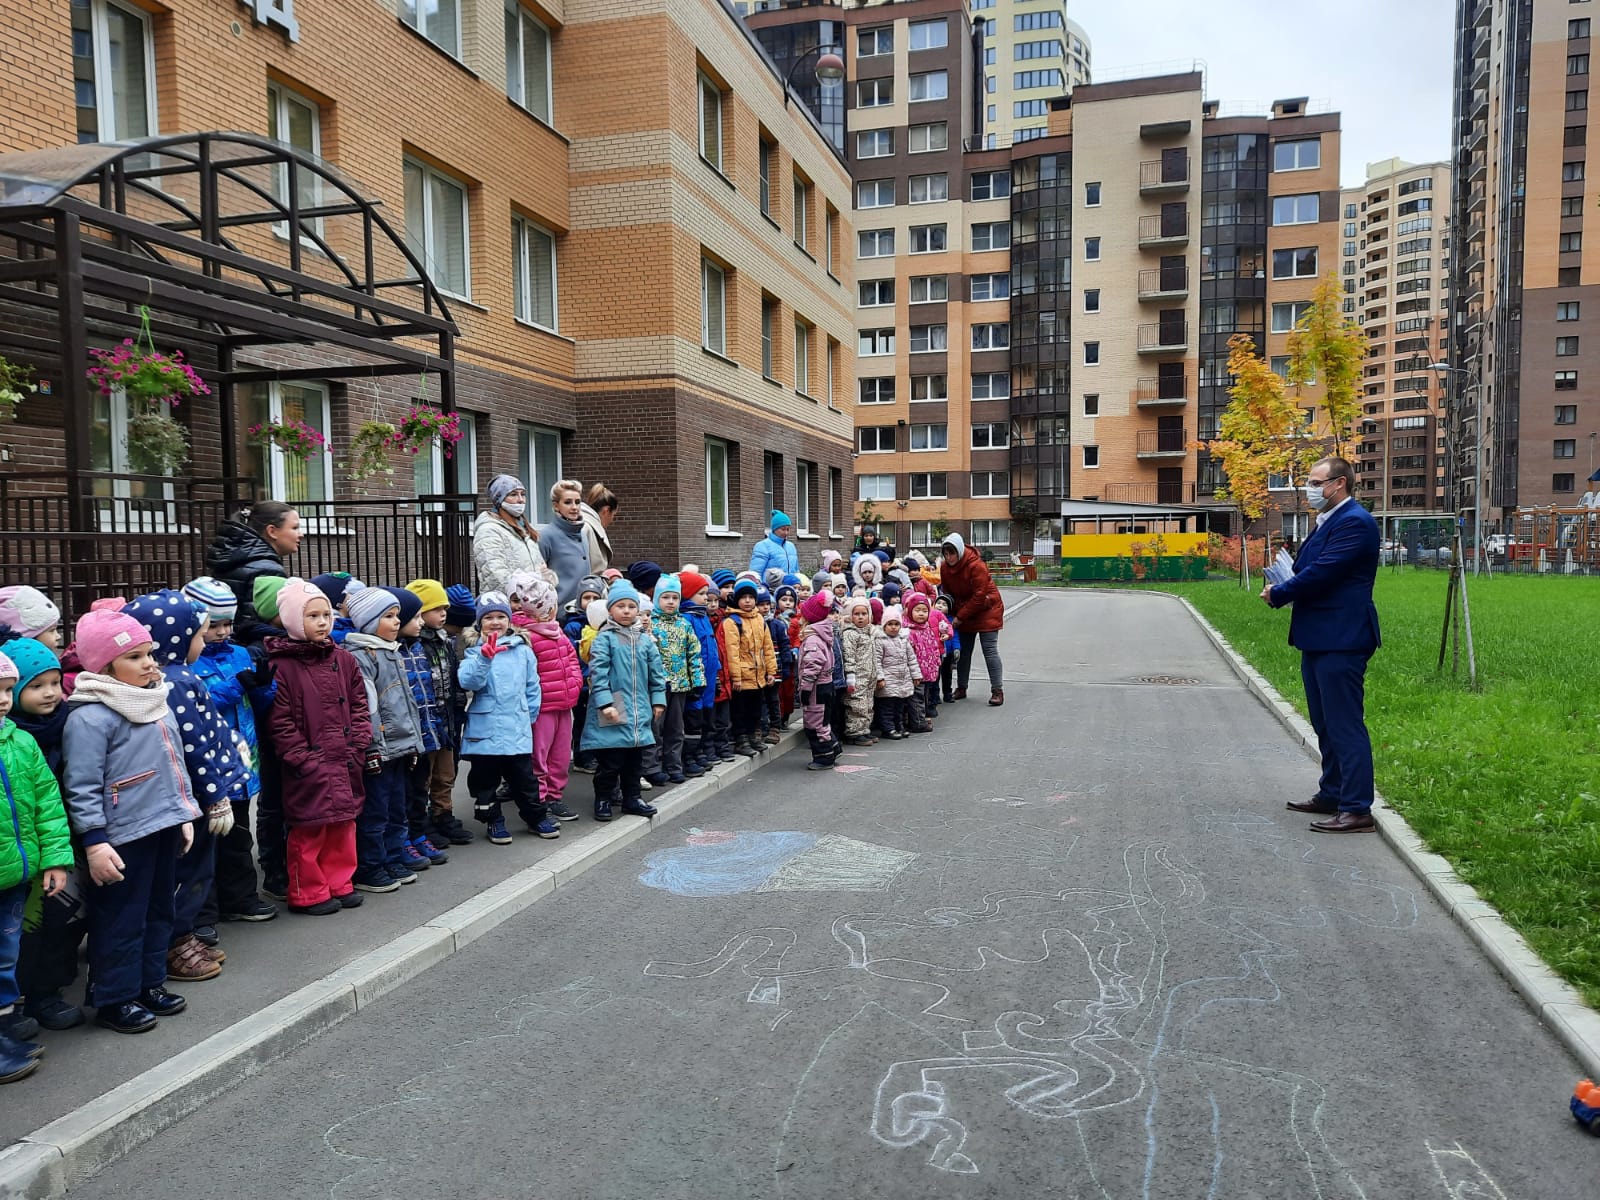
(219,818)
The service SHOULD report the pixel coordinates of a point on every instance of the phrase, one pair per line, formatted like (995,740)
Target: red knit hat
(693,583)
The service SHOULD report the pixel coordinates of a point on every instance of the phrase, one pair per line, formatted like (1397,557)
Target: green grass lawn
(1502,782)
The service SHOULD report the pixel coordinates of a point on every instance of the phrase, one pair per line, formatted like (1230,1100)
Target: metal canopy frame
(72,253)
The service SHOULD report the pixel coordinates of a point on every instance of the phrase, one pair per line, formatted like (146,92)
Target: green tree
(1328,349)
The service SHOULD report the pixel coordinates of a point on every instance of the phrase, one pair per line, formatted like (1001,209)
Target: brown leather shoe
(1312,805)
(1347,822)
(997,698)
(215,953)
(189,962)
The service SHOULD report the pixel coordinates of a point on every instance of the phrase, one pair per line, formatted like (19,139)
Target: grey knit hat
(502,486)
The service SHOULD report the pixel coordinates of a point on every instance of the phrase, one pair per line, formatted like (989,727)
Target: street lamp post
(1477,457)
(830,68)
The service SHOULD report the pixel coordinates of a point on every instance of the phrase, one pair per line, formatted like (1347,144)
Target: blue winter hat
(747,585)
(334,585)
(621,589)
(722,577)
(779,520)
(32,658)
(410,603)
(891,592)
(644,575)
(493,602)
(790,581)
(172,621)
(668,585)
(785,590)
(366,607)
(763,596)
(463,609)
(882,555)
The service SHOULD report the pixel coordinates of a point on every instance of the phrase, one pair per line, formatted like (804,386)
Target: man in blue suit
(1334,625)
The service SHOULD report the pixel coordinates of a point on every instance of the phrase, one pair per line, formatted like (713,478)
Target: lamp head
(830,68)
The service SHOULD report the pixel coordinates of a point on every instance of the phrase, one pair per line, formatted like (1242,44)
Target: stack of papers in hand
(1281,570)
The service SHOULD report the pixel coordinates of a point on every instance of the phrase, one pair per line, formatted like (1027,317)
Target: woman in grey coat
(564,541)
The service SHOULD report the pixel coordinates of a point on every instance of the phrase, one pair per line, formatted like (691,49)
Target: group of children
(131,760)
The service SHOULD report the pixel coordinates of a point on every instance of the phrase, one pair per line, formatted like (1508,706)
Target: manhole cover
(1168,680)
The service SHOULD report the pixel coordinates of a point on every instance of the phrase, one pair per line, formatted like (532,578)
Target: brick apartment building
(633,252)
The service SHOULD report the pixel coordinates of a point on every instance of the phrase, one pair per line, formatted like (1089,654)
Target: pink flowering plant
(294,438)
(425,426)
(145,375)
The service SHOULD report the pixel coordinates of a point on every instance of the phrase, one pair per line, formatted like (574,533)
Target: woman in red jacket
(978,612)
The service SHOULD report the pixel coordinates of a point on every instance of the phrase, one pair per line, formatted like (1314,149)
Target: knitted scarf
(142,706)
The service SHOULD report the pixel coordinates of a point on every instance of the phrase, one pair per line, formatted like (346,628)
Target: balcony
(1165,337)
(1162,443)
(1164,230)
(1170,391)
(1163,175)
(1164,283)
(1175,491)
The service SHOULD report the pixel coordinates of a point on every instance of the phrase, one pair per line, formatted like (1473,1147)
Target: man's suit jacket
(1332,586)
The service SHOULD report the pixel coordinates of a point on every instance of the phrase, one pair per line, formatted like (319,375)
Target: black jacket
(238,555)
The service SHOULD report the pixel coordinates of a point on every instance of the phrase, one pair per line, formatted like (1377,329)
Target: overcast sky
(1393,89)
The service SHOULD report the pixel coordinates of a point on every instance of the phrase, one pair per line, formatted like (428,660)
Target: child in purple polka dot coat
(218,773)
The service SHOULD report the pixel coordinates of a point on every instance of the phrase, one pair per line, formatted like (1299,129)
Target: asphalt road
(1074,947)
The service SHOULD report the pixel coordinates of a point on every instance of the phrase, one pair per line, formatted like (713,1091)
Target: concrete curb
(55,1157)
(1553,1000)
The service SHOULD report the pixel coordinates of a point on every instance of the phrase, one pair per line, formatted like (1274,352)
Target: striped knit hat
(213,597)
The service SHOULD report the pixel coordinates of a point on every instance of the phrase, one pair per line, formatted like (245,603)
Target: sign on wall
(275,12)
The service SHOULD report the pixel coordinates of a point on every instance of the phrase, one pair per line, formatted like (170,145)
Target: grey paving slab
(1072,947)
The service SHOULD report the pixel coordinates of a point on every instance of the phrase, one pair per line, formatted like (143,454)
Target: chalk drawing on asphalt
(723,863)
(1460,1174)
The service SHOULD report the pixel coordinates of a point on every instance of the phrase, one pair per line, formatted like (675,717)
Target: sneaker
(17,1026)
(375,879)
(774,736)
(276,886)
(602,811)
(817,764)
(561,811)
(448,828)
(745,747)
(412,859)
(636,807)
(726,754)
(351,899)
(693,770)
(206,935)
(429,851)
(325,909)
(128,1017)
(401,873)
(189,962)
(53,1012)
(585,766)
(678,777)
(658,779)
(254,909)
(499,835)
(645,785)
(28,1049)
(547,829)
(19,1066)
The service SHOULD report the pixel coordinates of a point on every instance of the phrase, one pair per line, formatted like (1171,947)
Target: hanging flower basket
(16,385)
(145,375)
(157,444)
(295,438)
(370,450)
(425,426)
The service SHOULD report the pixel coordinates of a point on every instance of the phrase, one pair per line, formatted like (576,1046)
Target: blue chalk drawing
(727,866)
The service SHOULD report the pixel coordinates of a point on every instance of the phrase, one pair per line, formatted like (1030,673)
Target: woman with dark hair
(251,544)
(599,510)
(979,613)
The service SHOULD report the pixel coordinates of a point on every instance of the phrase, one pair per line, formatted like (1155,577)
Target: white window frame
(877,35)
(928,491)
(989,536)
(934,395)
(281,98)
(989,227)
(927,133)
(990,428)
(872,139)
(938,232)
(106,115)
(1091,249)
(708,269)
(1296,143)
(882,343)
(518,19)
(276,483)
(877,391)
(882,91)
(1092,193)
(879,237)
(877,434)
(802,357)
(990,495)
(875,195)
(991,177)
(930,86)
(1295,200)
(411,15)
(426,240)
(463,461)
(930,40)
(880,299)
(524,234)
(529,439)
(930,285)
(1091,452)
(1295,262)
(989,378)
(802,213)
(935,339)
(877,484)
(1296,309)
(714,448)
(804,476)
(711,153)
(987,290)
(941,179)
(928,432)
(986,332)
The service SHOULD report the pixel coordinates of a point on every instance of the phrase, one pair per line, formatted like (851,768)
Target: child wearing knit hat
(433,724)
(899,674)
(686,677)
(753,663)
(814,681)
(320,727)
(699,707)
(29,613)
(861,671)
(627,694)
(131,806)
(440,648)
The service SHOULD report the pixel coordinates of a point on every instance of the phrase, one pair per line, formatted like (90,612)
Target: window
(539,456)
(929,85)
(872,342)
(930,485)
(1022,80)
(991,336)
(295,121)
(287,476)
(802,213)
(929,387)
(437,20)
(769,335)
(805,479)
(1570,243)
(1036,20)
(114,67)
(875,143)
(1572,206)
(527,61)
(874,93)
(929,35)
(1091,300)
(1565,448)
(1578,29)
(533,251)
(875,243)
(930,437)
(930,189)
(872,42)
(1029,108)
(1297,156)
(995,385)
(1577,101)
(1049,48)
(1563,483)
(876,391)
(1295,210)
(835,497)
(1567,310)
(436,226)
(991,185)
(1300,263)
(874,487)
(1091,405)
(802,358)
(990,533)
(876,292)
(991,287)
(1575,135)
(830,234)
(434,474)
(1091,456)
(929,289)
(1566,414)
(922,139)
(994,235)
(1091,195)
(987,485)
(713,307)
(710,121)
(927,239)
(1091,249)
(1286,317)
(766,160)
(929,339)
(991,435)
(717,516)
(1091,354)
(1566,381)
(1566,347)
(876,194)
(1424,204)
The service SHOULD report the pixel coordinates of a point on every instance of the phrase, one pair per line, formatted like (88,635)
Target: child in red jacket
(560,685)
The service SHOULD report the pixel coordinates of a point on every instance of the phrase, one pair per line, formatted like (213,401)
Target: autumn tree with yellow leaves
(1329,348)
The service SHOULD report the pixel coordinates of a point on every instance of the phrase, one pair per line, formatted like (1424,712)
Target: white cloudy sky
(1384,64)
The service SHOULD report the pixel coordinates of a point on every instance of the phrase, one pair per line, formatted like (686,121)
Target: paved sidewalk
(1072,947)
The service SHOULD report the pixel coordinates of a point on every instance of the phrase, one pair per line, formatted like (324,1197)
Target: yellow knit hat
(430,592)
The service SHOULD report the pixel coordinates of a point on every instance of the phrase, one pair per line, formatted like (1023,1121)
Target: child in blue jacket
(698,756)
(627,693)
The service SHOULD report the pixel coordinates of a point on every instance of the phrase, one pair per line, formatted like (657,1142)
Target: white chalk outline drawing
(1472,1182)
